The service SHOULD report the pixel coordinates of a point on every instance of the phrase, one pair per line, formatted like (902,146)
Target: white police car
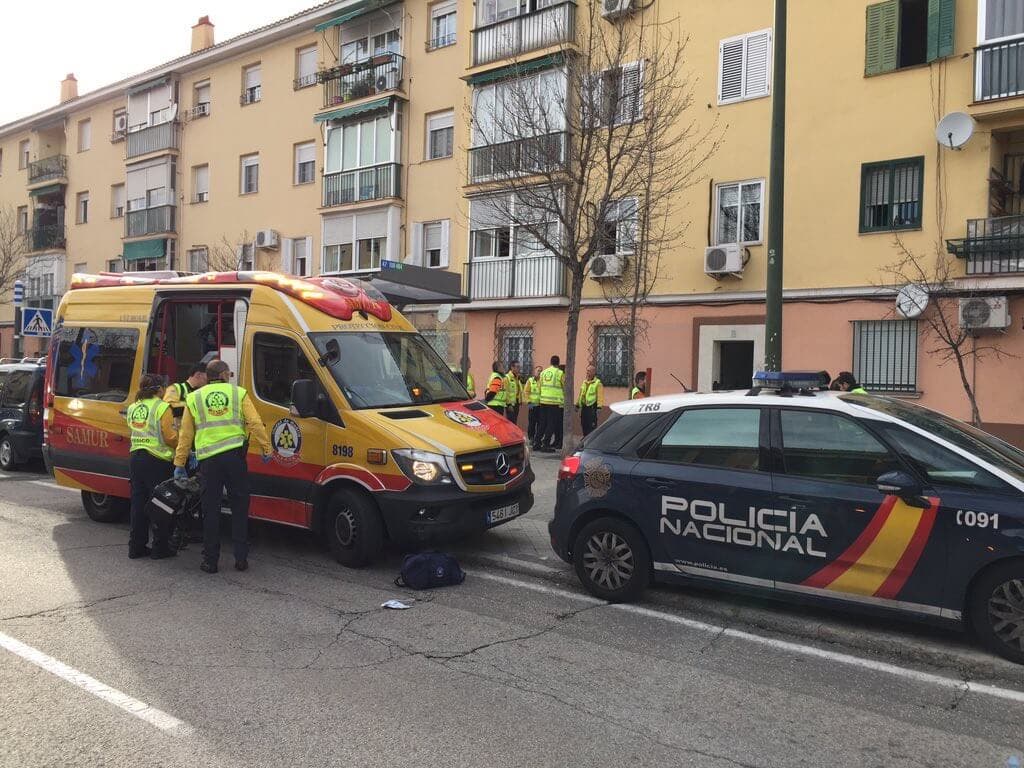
(828,497)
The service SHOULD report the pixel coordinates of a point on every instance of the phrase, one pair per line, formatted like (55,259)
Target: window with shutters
(885,355)
(613,356)
(618,229)
(84,135)
(23,154)
(198,260)
(82,208)
(201,99)
(616,95)
(305,67)
(440,135)
(355,243)
(200,183)
(22,219)
(250,176)
(300,256)
(435,245)
(305,163)
(738,208)
(442,25)
(252,84)
(115,265)
(745,67)
(117,200)
(891,194)
(906,33)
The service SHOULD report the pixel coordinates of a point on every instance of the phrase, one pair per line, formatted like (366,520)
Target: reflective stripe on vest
(588,392)
(534,386)
(144,422)
(500,397)
(551,387)
(217,412)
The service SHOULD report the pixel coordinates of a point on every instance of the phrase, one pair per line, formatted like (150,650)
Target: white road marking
(48,484)
(961,686)
(132,706)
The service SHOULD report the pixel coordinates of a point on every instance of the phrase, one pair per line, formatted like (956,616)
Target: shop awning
(145,249)
(406,284)
(353,11)
(518,69)
(358,109)
(49,189)
(149,84)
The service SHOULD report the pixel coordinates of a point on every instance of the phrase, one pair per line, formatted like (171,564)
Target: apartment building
(357,132)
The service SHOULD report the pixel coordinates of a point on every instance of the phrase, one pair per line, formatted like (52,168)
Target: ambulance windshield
(383,370)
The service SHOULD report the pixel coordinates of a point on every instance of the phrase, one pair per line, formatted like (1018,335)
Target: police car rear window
(617,432)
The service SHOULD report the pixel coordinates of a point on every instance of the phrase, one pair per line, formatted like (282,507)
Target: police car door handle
(795,505)
(659,482)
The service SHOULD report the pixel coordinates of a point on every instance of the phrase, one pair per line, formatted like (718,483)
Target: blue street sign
(36,321)
(19,293)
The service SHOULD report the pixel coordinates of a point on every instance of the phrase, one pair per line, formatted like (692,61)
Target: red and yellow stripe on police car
(881,559)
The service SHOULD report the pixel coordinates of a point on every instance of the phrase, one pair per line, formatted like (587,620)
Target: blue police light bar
(788,380)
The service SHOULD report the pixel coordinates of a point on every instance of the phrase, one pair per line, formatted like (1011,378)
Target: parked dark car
(21,413)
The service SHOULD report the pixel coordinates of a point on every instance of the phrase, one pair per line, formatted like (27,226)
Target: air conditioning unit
(613,9)
(723,260)
(984,313)
(604,267)
(267,238)
(121,123)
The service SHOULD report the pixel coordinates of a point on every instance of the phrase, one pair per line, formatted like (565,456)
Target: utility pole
(776,196)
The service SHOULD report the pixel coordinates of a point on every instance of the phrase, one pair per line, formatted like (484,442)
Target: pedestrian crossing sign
(36,321)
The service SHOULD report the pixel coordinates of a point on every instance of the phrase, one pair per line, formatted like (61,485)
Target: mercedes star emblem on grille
(501,464)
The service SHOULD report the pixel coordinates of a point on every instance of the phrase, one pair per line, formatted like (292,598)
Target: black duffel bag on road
(430,569)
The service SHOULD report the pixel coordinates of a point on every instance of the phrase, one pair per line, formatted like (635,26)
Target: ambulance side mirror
(304,397)
(904,486)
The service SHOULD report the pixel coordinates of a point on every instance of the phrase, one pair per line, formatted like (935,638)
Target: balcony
(999,70)
(537,154)
(374,183)
(359,79)
(47,237)
(54,167)
(155,138)
(512,37)
(514,277)
(149,221)
(993,246)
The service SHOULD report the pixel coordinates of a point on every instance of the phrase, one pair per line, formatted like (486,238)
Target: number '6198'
(976,519)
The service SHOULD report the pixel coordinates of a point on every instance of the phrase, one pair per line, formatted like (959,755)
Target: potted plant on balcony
(362,87)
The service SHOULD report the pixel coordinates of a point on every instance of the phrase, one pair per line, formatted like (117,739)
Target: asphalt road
(294,663)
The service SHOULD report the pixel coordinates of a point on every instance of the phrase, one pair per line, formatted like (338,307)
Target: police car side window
(277,362)
(827,446)
(713,437)
(940,465)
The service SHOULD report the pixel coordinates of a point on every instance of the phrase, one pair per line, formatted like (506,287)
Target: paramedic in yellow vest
(470,384)
(531,393)
(153,440)
(513,392)
(590,401)
(219,420)
(552,400)
(496,395)
(175,394)
(639,386)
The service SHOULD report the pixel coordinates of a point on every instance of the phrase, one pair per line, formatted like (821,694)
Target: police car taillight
(570,468)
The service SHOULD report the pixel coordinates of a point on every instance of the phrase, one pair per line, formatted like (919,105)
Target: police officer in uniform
(552,400)
(513,392)
(847,382)
(531,392)
(590,401)
(153,439)
(639,386)
(218,420)
(496,396)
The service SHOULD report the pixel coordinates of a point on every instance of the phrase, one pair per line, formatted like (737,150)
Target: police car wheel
(103,508)
(355,531)
(997,610)
(8,459)
(612,560)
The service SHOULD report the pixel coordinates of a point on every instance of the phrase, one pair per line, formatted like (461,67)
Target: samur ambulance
(373,436)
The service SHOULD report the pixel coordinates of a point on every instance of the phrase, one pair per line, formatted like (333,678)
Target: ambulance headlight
(423,467)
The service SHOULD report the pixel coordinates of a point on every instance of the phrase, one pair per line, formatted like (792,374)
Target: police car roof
(834,401)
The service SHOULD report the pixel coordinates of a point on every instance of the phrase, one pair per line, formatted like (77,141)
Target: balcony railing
(536,154)
(251,95)
(358,79)
(514,277)
(521,34)
(54,167)
(992,246)
(999,70)
(149,221)
(155,138)
(47,237)
(374,183)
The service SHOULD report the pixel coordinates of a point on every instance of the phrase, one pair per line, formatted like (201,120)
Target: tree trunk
(572,331)
(968,389)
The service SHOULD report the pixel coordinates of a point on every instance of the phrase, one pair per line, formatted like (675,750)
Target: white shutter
(203,93)
(252,76)
(307,61)
(337,230)
(370,225)
(445,236)
(757,65)
(309,257)
(730,70)
(202,181)
(306,153)
(630,106)
(286,256)
(415,255)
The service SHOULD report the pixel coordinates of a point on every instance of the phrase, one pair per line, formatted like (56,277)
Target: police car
(830,497)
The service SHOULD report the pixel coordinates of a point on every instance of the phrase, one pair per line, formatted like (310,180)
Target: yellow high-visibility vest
(533,390)
(590,393)
(217,411)
(552,382)
(501,396)
(144,422)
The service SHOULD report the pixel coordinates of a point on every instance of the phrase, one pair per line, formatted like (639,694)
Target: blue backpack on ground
(428,570)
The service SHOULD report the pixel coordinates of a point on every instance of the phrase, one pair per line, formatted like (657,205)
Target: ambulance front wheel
(103,508)
(996,610)
(612,560)
(355,531)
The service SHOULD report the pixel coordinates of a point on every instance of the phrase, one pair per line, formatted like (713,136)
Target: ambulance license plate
(503,513)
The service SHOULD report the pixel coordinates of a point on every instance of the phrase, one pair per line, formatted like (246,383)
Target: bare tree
(946,340)
(14,250)
(227,254)
(589,158)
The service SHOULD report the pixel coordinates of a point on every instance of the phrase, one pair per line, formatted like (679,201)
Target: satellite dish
(912,300)
(955,130)
(444,312)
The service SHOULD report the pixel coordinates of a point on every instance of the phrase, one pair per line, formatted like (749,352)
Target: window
(517,345)
(905,33)
(201,99)
(80,268)
(117,197)
(890,194)
(440,135)
(1000,19)
(84,135)
(295,256)
(491,11)
(115,265)
(23,154)
(251,84)
(430,243)
(613,361)
(16,388)
(503,224)
(713,437)
(745,67)
(937,464)
(617,95)
(95,363)
(545,94)
(250,174)
(305,163)
(200,183)
(22,219)
(246,254)
(738,212)
(618,229)
(305,67)
(885,355)
(277,361)
(827,446)
(355,243)
(442,25)
(358,145)
(82,208)
(198,260)
(387,42)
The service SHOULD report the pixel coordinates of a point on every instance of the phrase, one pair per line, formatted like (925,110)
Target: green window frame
(883,32)
(891,195)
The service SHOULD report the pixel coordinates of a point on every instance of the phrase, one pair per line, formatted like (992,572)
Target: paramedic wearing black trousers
(153,439)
